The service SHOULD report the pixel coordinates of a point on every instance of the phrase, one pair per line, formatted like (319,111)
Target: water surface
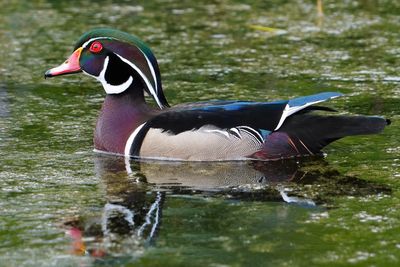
(63,205)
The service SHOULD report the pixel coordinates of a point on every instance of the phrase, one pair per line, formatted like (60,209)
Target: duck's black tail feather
(317,131)
(306,133)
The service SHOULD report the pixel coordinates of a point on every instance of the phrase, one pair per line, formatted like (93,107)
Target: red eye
(96,47)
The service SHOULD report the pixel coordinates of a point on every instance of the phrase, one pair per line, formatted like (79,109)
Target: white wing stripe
(237,132)
(252,132)
(283,117)
(291,110)
(223,132)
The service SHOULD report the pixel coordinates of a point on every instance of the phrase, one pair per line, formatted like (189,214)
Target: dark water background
(63,205)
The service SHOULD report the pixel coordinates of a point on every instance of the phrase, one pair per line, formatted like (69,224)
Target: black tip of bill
(47,74)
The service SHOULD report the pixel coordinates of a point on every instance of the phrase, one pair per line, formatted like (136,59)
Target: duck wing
(215,130)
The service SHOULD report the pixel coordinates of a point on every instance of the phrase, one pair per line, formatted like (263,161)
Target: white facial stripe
(112,89)
(148,83)
(152,71)
(153,90)
(93,39)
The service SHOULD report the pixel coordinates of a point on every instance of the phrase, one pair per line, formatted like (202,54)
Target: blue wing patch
(301,101)
(264,133)
(236,105)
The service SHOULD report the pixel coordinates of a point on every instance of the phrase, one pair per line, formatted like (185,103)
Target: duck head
(120,61)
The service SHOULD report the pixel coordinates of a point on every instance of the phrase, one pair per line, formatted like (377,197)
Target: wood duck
(203,131)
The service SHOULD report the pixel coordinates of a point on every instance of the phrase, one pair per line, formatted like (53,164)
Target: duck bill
(71,65)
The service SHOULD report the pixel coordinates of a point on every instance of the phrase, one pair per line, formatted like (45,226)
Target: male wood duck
(203,131)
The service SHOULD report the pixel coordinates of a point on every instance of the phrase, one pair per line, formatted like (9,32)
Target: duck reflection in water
(136,192)
(4,103)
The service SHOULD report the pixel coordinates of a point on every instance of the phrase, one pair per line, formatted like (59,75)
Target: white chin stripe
(112,89)
(117,89)
(153,89)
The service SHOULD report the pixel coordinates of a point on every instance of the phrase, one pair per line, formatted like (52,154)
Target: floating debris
(268,29)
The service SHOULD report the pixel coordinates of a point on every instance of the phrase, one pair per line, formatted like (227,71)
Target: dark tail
(303,134)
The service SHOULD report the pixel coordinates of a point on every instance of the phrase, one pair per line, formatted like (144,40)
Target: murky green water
(63,205)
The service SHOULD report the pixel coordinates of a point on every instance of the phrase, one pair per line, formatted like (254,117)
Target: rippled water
(63,205)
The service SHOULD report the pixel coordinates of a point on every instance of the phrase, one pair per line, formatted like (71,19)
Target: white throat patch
(112,89)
